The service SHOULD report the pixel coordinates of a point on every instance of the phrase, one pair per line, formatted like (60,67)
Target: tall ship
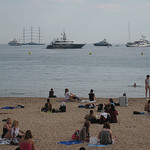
(64,43)
(102,43)
(14,42)
(141,43)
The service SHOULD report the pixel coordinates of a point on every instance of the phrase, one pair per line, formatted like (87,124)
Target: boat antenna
(129,30)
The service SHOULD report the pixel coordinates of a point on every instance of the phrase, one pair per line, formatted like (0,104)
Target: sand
(132,131)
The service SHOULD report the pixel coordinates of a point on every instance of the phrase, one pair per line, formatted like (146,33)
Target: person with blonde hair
(15,132)
(7,128)
(27,142)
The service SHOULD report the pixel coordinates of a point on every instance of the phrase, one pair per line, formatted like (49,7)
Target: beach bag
(93,140)
(75,135)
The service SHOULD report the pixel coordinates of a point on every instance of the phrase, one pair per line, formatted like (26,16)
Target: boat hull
(65,46)
(99,44)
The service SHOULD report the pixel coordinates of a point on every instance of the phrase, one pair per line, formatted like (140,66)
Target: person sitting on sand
(91,95)
(51,93)
(15,133)
(47,107)
(113,114)
(91,117)
(62,107)
(70,97)
(7,129)
(84,133)
(104,117)
(105,135)
(27,142)
(147,107)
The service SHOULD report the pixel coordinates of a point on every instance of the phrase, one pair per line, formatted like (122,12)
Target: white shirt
(16,134)
(67,95)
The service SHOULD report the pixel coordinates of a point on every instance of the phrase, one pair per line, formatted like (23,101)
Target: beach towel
(4,141)
(63,100)
(8,107)
(88,101)
(99,145)
(70,142)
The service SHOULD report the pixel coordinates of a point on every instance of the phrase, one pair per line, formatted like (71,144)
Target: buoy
(141,53)
(90,53)
(29,53)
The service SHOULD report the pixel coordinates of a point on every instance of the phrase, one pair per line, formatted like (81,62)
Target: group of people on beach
(12,131)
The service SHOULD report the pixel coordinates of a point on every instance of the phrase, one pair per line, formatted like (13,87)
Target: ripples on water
(109,71)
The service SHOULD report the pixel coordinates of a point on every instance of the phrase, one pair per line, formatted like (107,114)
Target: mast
(24,35)
(31,34)
(129,30)
(39,35)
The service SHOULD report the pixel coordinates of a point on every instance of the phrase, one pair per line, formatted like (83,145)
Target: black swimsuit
(4,132)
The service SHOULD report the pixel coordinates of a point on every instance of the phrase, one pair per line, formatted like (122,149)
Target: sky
(84,21)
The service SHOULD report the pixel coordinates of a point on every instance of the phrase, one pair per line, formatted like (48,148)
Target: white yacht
(141,43)
(64,43)
(14,42)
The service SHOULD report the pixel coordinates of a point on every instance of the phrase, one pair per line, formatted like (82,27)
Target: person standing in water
(147,84)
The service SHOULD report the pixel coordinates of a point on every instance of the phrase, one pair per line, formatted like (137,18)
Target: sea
(31,71)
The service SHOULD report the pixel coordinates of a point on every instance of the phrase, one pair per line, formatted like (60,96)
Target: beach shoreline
(49,128)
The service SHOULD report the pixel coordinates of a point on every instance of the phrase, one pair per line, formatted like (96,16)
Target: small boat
(102,43)
(64,43)
(14,42)
(141,43)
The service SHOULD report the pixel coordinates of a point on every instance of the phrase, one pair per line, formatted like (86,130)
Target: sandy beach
(132,131)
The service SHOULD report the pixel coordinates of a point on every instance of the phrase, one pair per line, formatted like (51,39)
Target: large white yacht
(14,42)
(64,43)
(141,43)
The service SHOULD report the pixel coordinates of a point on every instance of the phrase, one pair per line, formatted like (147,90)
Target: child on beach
(7,129)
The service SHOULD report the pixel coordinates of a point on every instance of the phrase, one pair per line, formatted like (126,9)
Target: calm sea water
(109,71)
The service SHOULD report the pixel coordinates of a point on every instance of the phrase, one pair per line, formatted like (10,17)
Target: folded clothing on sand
(70,142)
(88,101)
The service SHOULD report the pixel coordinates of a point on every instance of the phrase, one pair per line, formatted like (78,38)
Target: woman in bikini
(147,85)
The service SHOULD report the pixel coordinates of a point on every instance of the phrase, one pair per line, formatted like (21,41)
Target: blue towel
(8,107)
(70,142)
(98,145)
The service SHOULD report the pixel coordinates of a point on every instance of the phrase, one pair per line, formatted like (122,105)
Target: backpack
(75,136)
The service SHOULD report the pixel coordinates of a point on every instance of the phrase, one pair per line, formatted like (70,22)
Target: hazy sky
(83,20)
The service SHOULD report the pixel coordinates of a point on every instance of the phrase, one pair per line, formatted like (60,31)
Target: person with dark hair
(91,117)
(51,93)
(82,148)
(27,142)
(105,135)
(84,133)
(69,96)
(7,129)
(91,95)
(147,107)
(113,114)
(147,86)
(47,107)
